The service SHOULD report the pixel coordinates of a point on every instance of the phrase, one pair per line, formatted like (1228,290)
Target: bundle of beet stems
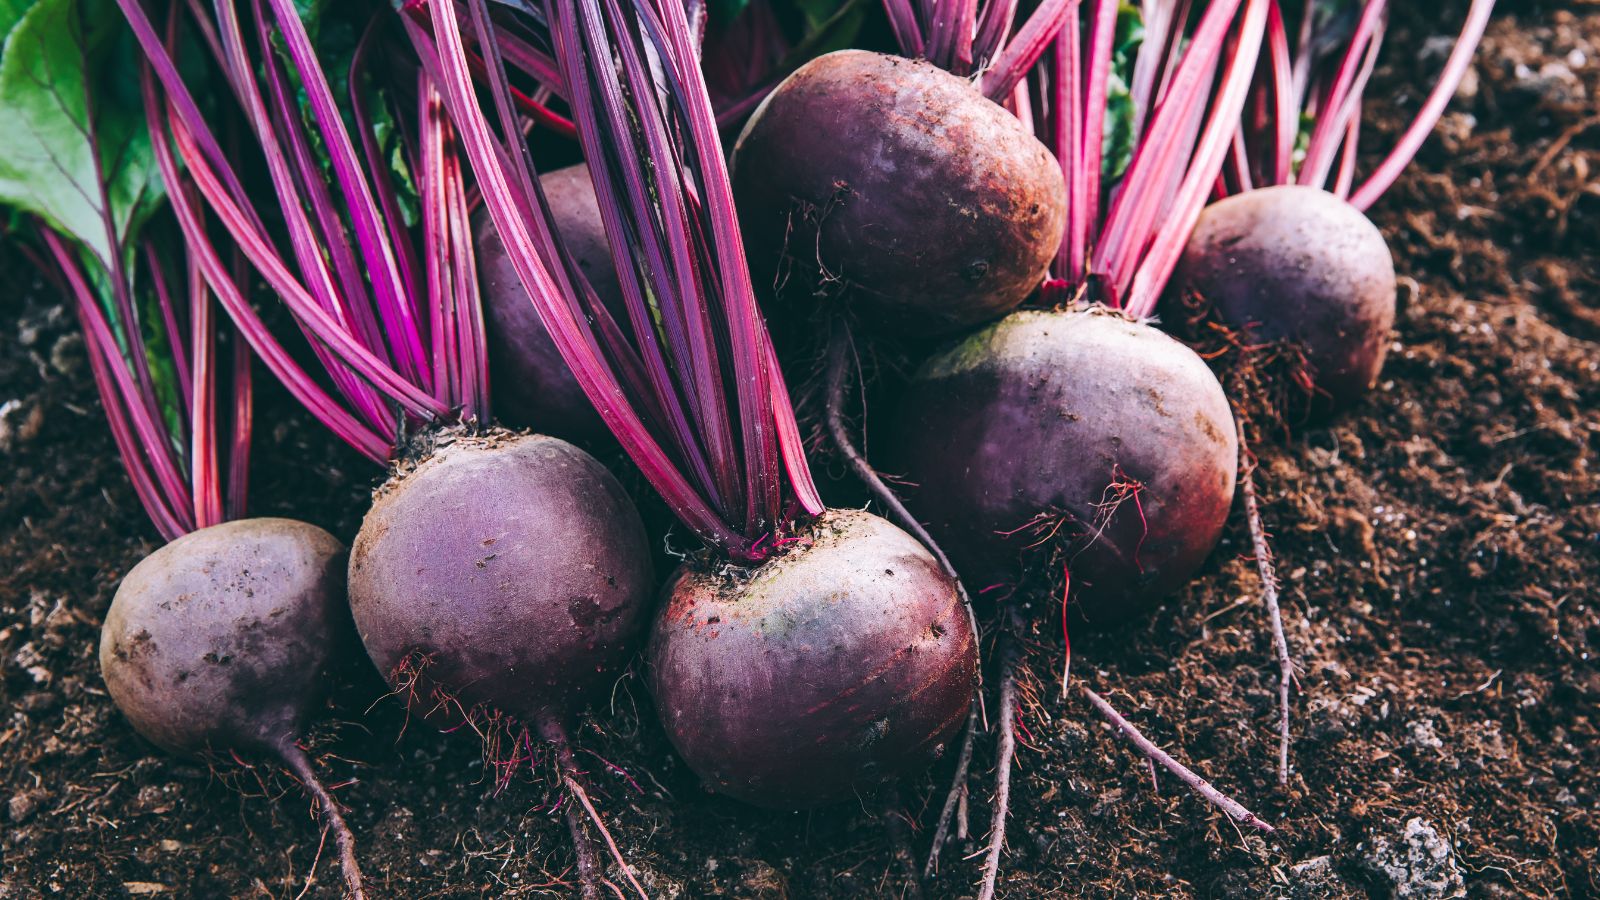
(495,642)
(805,653)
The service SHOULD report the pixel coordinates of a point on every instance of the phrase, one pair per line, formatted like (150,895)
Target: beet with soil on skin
(933,205)
(221,642)
(1077,429)
(222,638)
(510,572)
(839,664)
(530,383)
(1298,264)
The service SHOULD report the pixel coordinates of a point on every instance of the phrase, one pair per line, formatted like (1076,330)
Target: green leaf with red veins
(74,150)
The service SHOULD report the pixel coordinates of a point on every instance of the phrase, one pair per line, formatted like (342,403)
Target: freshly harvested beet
(1298,264)
(1082,430)
(933,205)
(508,572)
(532,386)
(840,663)
(221,641)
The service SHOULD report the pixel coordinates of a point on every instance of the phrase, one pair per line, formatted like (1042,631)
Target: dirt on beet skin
(1439,546)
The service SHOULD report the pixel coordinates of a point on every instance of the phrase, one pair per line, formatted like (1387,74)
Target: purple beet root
(1080,430)
(533,388)
(221,641)
(932,204)
(1298,264)
(509,573)
(847,660)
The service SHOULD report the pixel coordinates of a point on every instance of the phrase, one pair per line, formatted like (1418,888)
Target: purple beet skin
(533,388)
(845,661)
(933,205)
(1082,432)
(508,572)
(221,640)
(1298,264)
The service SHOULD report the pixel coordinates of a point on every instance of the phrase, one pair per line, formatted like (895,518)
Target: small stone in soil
(1421,864)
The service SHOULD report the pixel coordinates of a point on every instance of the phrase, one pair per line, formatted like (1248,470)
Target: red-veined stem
(144,449)
(1346,175)
(1132,217)
(1327,132)
(994,23)
(637,92)
(1102,34)
(191,136)
(313,249)
(1162,257)
(569,328)
(203,468)
(1066,80)
(169,319)
(1335,120)
(1019,54)
(382,271)
(225,286)
(1406,149)
(907,31)
(1286,118)
(377,166)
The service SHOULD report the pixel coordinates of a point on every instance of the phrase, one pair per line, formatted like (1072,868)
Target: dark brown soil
(1440,546)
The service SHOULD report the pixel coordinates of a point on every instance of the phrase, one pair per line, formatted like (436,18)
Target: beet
(842,662)
(934,205)
(532,386)
(1080,430)
(510,573)
(221,640)
(1298,264)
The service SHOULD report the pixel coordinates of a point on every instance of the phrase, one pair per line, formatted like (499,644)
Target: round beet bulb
(933,205)
(533,388)
(1298,264)
(841,663)
(222,638)
(221,641)
(1082,431)
(509,572)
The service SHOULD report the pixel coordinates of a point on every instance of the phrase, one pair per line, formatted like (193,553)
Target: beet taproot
(933,205)
(531,384)
(1079,430)
(842,662)
(509,573)
(221,642)
(1297,264)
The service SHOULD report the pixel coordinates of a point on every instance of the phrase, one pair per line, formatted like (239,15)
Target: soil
(1440,546)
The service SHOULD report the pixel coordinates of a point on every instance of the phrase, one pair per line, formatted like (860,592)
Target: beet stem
(1009,656)
(955,800)
(1269,593)
(1222,801)
(300,766)
(572,777)
(840,346)
(894,821)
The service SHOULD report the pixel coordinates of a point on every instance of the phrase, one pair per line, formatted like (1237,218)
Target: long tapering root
(1232,807)
(839,369)
(838,384)
(328,810)
(590,875)
(954,808)
(1010,653)
(1269,593)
